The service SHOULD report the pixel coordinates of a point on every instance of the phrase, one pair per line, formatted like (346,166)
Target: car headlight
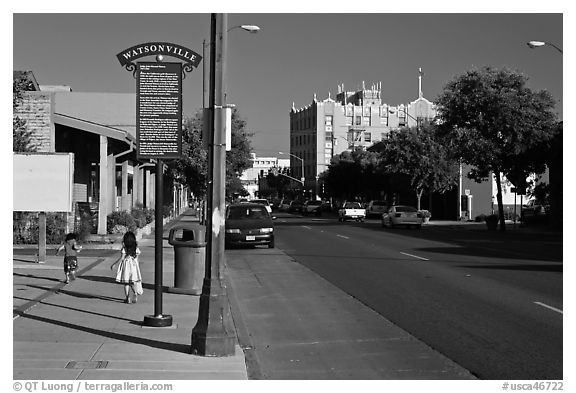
(266,230)
(232,230)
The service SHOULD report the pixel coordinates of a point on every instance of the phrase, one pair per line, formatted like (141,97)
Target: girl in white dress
(128,268)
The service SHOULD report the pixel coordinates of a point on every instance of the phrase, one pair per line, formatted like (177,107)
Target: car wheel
(419,226)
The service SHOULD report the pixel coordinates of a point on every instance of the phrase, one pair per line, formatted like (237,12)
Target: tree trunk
(419,196)
(499,199)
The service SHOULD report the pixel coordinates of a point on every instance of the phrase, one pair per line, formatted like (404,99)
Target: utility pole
(214,333)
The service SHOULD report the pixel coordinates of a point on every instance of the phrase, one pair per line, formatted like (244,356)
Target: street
(490,302)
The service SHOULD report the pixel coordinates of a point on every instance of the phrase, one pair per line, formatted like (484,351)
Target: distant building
(260,166)
(356,119)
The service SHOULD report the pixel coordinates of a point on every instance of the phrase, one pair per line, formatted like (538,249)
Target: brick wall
(37,109)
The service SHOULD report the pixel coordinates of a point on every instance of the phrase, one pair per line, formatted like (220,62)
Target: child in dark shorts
(71,250)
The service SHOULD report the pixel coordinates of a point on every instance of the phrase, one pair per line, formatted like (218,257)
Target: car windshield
(406,209)
(247,213)
(352,205)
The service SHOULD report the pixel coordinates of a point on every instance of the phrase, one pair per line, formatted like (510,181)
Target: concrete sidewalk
(291,324)
(84,330)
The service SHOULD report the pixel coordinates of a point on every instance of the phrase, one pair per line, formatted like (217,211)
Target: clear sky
(295,56)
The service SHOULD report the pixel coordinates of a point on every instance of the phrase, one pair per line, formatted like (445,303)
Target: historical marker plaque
(159,110)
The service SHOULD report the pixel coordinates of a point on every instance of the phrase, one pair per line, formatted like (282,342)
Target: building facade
(252,177)
(100,129)
(355,119)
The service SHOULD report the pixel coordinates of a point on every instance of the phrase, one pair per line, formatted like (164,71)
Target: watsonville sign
(127,56)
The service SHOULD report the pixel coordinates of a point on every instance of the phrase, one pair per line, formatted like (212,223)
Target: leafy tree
(491,120)
(192,168)
(419,156)
(21,136)
(353,174)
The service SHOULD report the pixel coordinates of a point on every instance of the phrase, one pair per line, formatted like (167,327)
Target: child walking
(128,268)
(71,250)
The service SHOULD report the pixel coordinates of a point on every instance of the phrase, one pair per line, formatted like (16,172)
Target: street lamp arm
(537,44)
(292,178)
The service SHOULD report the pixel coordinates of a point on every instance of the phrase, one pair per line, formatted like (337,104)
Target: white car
(402,215)
(352,211)
(263,202)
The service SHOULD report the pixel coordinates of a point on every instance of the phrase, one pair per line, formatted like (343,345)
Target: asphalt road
(491,302)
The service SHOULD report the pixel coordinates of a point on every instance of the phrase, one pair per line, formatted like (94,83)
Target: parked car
(351,210)
(248,224)
(312,207)
(532,209)
(284,205)
(295,207)
(263,202)
(376,208)
(402,215)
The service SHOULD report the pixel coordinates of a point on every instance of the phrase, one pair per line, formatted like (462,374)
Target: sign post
(158,132)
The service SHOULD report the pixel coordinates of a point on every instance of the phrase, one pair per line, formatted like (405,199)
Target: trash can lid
(182,234)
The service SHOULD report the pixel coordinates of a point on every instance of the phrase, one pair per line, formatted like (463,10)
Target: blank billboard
(43,182)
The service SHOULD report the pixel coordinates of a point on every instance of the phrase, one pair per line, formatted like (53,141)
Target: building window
(367,137)
(329,137)
(348,120)
(328,120)
(366,120)
(358,120)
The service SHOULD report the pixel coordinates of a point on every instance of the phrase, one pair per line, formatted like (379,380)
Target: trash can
(189,258)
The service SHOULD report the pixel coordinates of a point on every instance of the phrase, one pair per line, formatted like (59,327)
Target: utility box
(189,258)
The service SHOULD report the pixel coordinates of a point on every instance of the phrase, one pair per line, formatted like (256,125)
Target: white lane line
(415,256)
(549,307)
(305,226)
(343,237)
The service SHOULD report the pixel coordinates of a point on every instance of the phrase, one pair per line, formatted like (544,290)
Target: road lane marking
(305,226)
(415,256)
(549,307)
(343,237)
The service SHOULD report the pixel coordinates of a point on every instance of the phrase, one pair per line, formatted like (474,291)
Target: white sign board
(43,182)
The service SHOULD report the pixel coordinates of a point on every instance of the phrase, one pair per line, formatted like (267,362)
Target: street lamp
(537,44)
(292,155)
(249,28)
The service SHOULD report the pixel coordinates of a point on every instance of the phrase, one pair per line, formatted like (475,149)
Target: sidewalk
(291,323)
(84,331)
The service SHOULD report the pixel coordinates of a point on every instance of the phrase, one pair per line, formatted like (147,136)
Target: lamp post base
(158,320)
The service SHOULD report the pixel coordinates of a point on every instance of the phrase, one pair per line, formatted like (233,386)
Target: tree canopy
(417,154)
(492,121)
(192,168)
(21,136)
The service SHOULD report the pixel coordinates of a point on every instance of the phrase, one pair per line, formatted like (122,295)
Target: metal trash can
(189,258)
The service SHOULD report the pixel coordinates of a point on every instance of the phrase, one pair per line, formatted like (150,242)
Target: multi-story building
(356,119)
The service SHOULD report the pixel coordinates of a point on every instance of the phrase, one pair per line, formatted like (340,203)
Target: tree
(192,168)
(491,120)
(21,136)
(424,160)
(353,174)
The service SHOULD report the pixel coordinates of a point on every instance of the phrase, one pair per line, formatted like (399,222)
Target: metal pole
(158,320)
(204,74)
(214,333)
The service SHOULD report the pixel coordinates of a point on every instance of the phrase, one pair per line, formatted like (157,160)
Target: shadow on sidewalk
(181,348)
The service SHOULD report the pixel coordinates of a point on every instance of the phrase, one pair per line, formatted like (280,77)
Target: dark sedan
(249,224)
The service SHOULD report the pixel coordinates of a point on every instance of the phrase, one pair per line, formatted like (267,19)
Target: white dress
(128,268)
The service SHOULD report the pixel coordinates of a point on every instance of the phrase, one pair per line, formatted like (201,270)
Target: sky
(296,55)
